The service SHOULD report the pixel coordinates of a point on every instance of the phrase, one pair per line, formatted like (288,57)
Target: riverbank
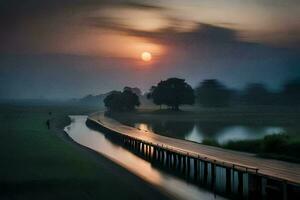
(254,115)
(40,163)
(178,124)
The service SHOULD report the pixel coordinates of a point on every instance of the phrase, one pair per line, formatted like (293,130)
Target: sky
(71,48)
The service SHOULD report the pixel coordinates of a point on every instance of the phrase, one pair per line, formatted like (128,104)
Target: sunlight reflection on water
(78,131)
(222,135)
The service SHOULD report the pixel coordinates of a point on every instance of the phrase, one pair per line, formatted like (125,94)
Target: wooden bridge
(233,174)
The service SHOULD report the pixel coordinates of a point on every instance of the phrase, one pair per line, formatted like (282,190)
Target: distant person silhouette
(48,124)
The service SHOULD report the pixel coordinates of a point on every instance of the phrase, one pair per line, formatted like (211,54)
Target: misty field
(37,164)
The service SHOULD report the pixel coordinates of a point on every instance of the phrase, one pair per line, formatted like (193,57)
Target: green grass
(37,164)
(255,115)
(279,146)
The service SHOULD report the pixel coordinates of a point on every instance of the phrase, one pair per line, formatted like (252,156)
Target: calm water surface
(197,131)
(142,168)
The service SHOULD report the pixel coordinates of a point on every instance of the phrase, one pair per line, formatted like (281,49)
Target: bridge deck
(266,167)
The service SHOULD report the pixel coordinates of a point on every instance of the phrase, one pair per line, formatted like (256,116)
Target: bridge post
(205,172)
(159,153)
(148,151)
(159,150)
(188,166)
(142,148)
(163,156)
(240,184)
(195,169)
(179,162)
(183,164)
(151,151)
(228,181)
(145,150)
(132,144)
(135,145)
(129,143)
(154,153)
(284,191)
(168,158)
(264,187)
(171,160)
(138,146)
(175,161)
(213,175)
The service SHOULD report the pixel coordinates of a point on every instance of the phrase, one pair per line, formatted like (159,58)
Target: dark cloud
(144,6)
(14,11)
(172,33)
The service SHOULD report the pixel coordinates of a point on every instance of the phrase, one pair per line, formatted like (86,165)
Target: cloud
(197,37)
(33,21)
(144,6)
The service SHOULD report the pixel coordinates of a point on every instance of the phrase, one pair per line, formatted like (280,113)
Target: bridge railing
(202,157)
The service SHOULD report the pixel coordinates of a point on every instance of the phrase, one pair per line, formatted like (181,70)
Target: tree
(291,92)
(121,101)
(172,92)
(135,90)
(212,93)
(257,94)
(130,100)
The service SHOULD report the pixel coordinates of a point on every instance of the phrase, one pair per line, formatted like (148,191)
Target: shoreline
(114,167)
(255,117)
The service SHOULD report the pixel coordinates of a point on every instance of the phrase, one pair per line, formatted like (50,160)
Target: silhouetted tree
(212,93)
(121,101)
(130,100)
(172,92)
(291,92)
(257,94)
(135,90)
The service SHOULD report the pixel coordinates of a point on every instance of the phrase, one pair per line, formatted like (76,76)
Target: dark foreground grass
(36,164)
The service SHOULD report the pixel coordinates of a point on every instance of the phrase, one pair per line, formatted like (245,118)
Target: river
(198,131)
(97,141)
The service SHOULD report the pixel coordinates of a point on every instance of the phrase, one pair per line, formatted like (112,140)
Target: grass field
(281,147)
(37,164)
(247,115)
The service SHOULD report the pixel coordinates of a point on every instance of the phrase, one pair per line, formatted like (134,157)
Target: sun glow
(146,56)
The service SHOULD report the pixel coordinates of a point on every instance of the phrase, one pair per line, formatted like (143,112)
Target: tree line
(175,92)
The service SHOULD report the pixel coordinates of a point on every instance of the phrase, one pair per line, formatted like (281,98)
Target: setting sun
(146,56)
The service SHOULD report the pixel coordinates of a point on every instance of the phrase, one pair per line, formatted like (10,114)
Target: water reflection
(198,131)
(171,128)
(142,168)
